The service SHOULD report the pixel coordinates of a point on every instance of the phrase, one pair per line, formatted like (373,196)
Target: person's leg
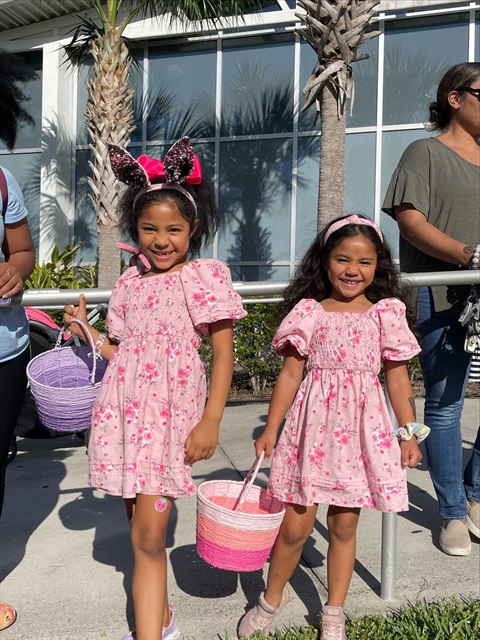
(296,527)
(13,382)
(342,528)
(444,365)
(342,525)
(149,585)
(130,508)
(471,479)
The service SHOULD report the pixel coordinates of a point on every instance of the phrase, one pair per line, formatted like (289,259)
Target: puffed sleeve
(117,303)
(397,342)
(208,289)
(297,328)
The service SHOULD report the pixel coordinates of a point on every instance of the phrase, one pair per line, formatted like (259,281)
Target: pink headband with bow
(352,220)
(180,165)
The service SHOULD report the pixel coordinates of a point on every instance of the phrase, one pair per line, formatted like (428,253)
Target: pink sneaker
(169,633)
(261,616)
(332,626)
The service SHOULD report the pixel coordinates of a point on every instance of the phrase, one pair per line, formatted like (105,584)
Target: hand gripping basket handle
(92,344)
(249,480)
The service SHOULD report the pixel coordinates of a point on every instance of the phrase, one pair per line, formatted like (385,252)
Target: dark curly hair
(206,214)
(12,71)
(311,279)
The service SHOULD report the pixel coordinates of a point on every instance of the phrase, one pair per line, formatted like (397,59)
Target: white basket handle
(249,480)
(92,344)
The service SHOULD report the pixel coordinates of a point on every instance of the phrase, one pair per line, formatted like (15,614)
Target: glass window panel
(136,82)
(29,135)
(84,74)
(255,196)
(477,36)
(360,174)
(365,76)
(181,92)
(241,273)
(257,86)
(394,144)
(25,168)
(85,226)
(416,57)
(307,194)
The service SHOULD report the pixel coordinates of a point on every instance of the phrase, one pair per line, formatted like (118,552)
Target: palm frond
(80,46)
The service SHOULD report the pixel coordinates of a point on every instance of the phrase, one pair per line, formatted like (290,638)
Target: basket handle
(92,344)
(249,480)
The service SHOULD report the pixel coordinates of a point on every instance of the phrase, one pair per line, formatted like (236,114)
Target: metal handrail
(56,298)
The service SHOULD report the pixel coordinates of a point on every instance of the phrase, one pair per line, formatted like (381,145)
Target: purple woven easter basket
(64,383)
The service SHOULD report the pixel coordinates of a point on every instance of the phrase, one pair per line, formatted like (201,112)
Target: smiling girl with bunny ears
(150,421)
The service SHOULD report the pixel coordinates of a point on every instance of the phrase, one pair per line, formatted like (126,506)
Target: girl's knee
(294,533)
(149,541)
(342,524)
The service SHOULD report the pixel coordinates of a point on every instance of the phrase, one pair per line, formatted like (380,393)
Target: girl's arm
(402,400)
(103,346)
(420,233)
(286,387)
(18,246)
(203,438)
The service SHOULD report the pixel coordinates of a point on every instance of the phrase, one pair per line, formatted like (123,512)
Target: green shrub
(61,273)
(454,619)
(253,337)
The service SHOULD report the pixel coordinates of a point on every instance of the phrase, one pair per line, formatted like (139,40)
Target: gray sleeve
(405,186)
(410,182)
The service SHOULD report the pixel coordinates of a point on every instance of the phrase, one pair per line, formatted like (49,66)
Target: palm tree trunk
(331,195)
(109,120)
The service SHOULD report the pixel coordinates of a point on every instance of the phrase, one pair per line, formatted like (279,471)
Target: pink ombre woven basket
(237,522)
(64,383)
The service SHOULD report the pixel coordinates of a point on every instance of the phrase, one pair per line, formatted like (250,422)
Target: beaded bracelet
(476,257)
(411,429)
(98,345)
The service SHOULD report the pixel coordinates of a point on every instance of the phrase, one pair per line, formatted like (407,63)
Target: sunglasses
(473,92)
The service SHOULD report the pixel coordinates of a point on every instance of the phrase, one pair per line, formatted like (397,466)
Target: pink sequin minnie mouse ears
(180,165)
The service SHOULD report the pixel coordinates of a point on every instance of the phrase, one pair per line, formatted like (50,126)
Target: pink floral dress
(153,392)
(338,444)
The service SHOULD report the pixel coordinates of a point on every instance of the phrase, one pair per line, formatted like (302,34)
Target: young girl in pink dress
(338,446)
(150,421)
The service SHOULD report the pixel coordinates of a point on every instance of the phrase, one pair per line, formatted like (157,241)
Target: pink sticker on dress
(161,505)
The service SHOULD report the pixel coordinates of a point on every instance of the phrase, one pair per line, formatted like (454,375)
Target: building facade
(237,91)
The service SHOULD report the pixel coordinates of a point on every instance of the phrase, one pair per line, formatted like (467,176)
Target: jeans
(471,476)
(445,366)
(13,382)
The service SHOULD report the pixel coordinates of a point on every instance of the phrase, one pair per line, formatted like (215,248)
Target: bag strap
(4,192)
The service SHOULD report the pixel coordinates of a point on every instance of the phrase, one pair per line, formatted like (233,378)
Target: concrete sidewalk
(66,563)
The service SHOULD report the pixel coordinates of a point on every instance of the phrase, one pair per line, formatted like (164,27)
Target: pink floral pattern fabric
(338,444)
(153,392)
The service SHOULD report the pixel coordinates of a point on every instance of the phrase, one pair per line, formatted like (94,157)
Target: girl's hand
(76,311)
(11,281)
(266,442)
(410,452)
(201,441)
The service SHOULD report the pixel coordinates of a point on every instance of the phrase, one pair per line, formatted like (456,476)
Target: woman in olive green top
(434,195)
